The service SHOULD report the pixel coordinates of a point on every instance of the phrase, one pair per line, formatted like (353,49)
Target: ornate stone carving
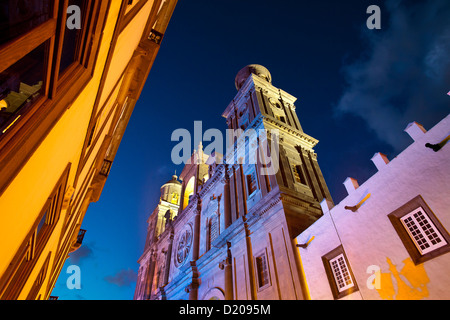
(184,245)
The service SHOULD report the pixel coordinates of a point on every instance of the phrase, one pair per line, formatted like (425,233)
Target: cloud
(82,253)
(123,278)
(405,74)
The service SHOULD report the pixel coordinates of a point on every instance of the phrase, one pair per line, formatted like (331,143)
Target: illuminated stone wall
(377,248)
(233,237)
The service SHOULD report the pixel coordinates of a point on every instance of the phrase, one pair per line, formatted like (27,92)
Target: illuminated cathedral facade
(227,231)
(235,231)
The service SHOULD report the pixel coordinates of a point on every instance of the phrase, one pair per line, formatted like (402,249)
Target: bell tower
(260,105)
(233,235)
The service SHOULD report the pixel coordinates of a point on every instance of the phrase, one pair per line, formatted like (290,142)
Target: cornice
(254,83)
(228,235)
(217,177)
(204,262)
(295,201)
(309,141)
(260,209)
(183,214)
(273,91)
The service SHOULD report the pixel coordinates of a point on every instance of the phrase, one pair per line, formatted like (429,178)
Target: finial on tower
(255,69)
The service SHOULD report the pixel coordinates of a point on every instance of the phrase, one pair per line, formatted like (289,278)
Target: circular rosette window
(184,245)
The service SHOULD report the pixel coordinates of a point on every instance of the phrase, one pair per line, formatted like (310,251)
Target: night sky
(357,91)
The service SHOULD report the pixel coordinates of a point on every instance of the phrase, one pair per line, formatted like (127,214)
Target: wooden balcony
(79,241)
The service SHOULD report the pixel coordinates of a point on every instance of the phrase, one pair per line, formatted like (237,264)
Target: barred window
(423,232)
(252,183)
(262,270)
(213,229)
(175,197)
(420,231)
(339,273)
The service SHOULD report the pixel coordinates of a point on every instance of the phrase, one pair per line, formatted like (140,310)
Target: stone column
(192,289)
(234,202)
(312,181)
(168,259)
(150,275)
(240,199)
(227,199)
(196,243)
(243,184)
(251,269)
(218,213)
(227,266)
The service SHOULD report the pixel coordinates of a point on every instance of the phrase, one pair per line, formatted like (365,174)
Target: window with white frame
(339,273)
(420,231)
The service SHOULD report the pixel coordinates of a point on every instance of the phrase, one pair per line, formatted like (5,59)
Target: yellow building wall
(126,44)
(25,197)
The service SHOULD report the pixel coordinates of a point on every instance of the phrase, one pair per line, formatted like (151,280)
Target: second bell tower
(260,105)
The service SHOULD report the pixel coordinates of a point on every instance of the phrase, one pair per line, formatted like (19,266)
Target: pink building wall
(368,236)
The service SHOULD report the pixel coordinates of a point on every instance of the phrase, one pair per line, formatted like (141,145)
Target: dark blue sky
(357,90)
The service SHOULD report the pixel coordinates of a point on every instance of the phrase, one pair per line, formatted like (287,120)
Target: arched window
(298,174)
(175,197)
(188,191)
(252,183)
(213,228)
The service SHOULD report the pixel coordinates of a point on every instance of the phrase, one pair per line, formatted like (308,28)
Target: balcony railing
(79,241)
(155,36)
(106,167)
(80,236)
